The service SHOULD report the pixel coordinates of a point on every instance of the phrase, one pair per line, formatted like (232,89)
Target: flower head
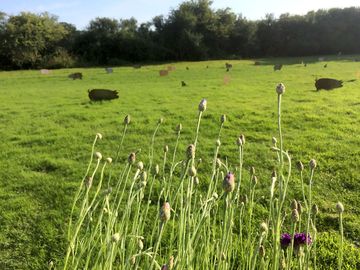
(280,89)
(229,182)
(165,212)
(202,105)
(302,239)
(127,119)
(285,240)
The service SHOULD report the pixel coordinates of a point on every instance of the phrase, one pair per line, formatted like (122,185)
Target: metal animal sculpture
(228,66)
(183,83)
(109,70)
(163,73)
(327,84)
(278,67)
(102,94)
(76,75)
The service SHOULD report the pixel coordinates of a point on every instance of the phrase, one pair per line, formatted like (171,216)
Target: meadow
(48,126)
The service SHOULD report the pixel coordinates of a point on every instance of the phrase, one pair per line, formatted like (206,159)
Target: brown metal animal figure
(76,75)
(102,94)
(183,83)
(278,67)
(327,84)
(228,66)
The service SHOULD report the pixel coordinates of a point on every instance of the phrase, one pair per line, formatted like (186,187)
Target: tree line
(192,31)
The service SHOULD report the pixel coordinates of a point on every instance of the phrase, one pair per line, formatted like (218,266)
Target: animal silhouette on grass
(76,75)
(102,94)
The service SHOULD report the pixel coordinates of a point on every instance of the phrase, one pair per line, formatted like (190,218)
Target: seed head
(252,171)
(300,208)
(161,120)
(223,119)
(179,127)
(339,207)
(312,164)
(165,212)
(127,119)
(109,160)
(215,196)
(192,171)
(315,209)
(254,180)
(89,182)
(218,142)
(294,205)
(242,137)
(157,169)
(202,105)
(132,158)
(98,155)
(143,176)
(229,182)
(280,89)
(264,227)
(171,262)
(190,151)
(273,174)
(262,251)
(115,237)
(274,140)
(295,215)
(196,180)
(166,149)
(140,165)
(300,166)
(239,141)
(98,135)
(140,244)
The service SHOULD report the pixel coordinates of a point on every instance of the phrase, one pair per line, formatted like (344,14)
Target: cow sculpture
(102,94)
(76,75)
(327,84)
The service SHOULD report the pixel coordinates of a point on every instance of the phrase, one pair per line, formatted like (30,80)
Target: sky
(80,12)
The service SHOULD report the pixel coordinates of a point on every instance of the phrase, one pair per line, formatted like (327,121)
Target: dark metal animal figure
(228,66)
(76,75)
(257,63)
(187,68)
(278,67)
(102,94)
(109,70)
(305,65)
(327,84)
(325,66)
(183,83)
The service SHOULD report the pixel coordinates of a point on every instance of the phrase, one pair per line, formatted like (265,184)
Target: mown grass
(48,124)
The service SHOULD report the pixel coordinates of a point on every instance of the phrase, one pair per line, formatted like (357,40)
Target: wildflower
(115,237)
(295,215)
(202,105)
(229,182)
(127,119)
(223,119)
(274,141)
(109,160)
(252,171)
(285,240)
(312,164)
(339,207)
(300,166)
(264,227)
(302,239)
(99,135)
(190,151)
(192,171)
(242,137)
(98,155)
(179,127)
(262,251)
(132,158)
(315,209)
(140,165)
(140,244)
(89,182)
(165,212)
(171,262)
(280,89)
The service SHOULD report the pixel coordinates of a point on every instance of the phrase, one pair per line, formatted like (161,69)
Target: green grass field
(47,126)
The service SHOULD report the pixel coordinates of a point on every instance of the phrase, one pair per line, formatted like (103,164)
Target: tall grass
(152,218)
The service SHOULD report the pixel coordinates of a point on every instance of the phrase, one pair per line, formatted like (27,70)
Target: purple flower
(285,240)
(302,239)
